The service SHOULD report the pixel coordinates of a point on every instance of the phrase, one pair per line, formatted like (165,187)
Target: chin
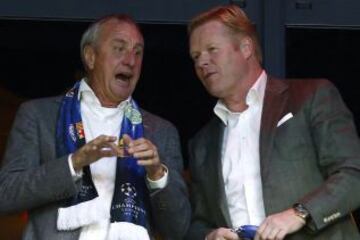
(212,89)
(214,93)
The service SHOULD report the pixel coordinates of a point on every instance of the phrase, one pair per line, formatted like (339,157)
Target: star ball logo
(128,189)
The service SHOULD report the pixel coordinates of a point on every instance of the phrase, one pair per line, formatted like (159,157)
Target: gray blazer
(313,158)
(33,179)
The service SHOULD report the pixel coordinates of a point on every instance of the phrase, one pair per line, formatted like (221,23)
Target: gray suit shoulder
(308,85)
(156,122)
(302,84)
(41,110)
(303,90)
(41,104)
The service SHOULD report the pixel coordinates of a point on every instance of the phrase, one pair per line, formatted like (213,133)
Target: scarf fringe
(82,214)
(128,231)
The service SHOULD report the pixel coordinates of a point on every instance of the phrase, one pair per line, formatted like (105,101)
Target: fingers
(278,225)
(281,234)
(108,150)
(102,146)
(222,234)
(274,234)
(268,231)
(146,153)
(127,139)
(230,235)
(102,139)
(144,150)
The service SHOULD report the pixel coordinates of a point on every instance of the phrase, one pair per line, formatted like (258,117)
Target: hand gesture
(222,234)
(277,226)
(146,153)
(102,146)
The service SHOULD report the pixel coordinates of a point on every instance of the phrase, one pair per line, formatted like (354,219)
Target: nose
(203,60)
(129,58)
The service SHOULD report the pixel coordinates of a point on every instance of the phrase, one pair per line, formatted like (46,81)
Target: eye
(139,51)
(118,48)
(212,49)
(195,57)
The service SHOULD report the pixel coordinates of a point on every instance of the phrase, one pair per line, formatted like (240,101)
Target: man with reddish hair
(282,155)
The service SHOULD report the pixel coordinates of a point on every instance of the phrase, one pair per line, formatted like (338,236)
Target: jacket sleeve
(338,150)
(170,205)
(29,178)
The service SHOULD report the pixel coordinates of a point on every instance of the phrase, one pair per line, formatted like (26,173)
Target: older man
(92,164)
(281,155)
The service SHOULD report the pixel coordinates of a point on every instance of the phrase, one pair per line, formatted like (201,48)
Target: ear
(89,55)
(247,47)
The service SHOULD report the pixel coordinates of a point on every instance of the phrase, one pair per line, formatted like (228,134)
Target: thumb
(127,139)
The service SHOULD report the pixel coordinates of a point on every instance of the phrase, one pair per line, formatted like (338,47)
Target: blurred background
(39,55)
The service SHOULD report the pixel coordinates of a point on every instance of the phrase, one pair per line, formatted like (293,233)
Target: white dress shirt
(98,120)
(240,157)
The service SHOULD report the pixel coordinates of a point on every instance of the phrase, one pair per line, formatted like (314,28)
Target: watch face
(301,211)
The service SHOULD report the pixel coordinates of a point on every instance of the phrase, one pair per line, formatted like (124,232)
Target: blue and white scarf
(130,199)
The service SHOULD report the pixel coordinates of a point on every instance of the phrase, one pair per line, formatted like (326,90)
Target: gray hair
(92,33)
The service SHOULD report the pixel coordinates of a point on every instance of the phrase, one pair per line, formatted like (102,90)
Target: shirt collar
(255,96)
(87,94)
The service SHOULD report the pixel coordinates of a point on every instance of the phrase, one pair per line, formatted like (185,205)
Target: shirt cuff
(160,183)
(75,175)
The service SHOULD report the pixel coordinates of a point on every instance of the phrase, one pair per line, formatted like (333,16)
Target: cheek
(108,68)
(198,72)
(138,64)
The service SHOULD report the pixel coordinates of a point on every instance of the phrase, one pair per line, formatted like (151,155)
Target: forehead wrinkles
(197,40)
(201,42)
(213,33)
(121,31)
(208,32)
(127,42)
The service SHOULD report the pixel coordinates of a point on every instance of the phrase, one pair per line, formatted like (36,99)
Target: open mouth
(124,76)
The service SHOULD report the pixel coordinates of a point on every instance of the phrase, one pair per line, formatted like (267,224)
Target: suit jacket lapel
(274,107)
(148,130)
(214,171)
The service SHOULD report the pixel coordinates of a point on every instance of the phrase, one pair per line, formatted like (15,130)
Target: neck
(104,100)
(108,104)
(237,102)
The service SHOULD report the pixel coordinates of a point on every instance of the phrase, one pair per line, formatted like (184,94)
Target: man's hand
(148,156)
(277,226)
(222,234)
(102,146)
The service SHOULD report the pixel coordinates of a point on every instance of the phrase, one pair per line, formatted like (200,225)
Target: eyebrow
(193,52)
(210,44)
(122,41)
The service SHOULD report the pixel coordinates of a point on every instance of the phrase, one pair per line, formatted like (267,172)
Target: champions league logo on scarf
(128,190)
(131,190)
(129,206)
(130,199)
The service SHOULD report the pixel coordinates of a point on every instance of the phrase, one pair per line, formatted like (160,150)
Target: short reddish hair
(234,18)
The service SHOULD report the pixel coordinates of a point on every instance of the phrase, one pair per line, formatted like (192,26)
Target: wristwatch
(301,211)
